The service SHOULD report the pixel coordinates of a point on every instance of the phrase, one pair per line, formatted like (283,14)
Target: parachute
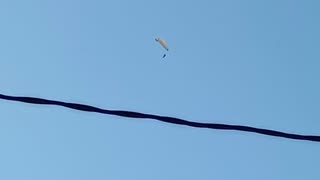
(163,44)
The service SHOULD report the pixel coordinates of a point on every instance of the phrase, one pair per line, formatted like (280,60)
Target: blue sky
(247,62)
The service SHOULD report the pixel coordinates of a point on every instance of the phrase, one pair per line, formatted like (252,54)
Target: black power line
(131,114)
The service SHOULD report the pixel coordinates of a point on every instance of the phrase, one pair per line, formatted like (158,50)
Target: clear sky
(249,62)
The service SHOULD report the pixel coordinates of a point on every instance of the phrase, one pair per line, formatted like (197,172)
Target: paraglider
(163,44)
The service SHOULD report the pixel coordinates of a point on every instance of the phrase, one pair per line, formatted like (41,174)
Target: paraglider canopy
(163,43)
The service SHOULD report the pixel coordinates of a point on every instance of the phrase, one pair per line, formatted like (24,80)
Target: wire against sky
(131,114)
